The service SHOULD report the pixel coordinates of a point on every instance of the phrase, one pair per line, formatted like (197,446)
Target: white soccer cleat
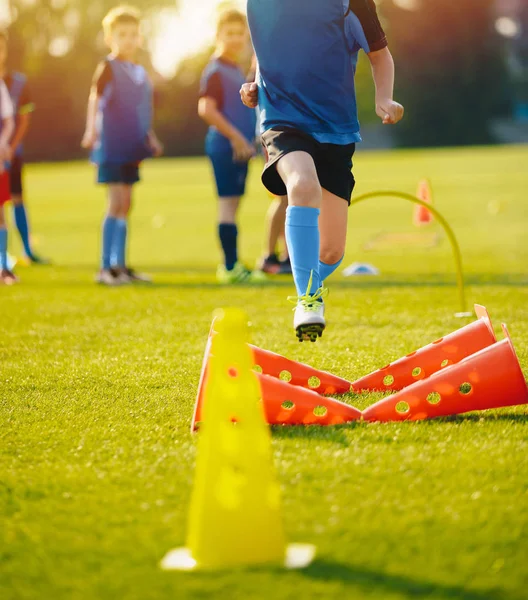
(108,277)
(132,276)
(309,320)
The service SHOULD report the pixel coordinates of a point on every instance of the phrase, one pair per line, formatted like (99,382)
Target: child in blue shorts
(307,54)
(230,140)
(119,132)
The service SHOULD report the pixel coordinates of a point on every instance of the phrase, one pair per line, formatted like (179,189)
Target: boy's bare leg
(107,275)
(123,203)
(115,200)
(299,174)
(120,263)
(276,221)
(228,209)
(228,237)
(333,224)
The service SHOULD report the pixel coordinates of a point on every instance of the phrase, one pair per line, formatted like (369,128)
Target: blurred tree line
(451,73)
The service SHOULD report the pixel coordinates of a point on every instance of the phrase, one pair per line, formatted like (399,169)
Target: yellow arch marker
(447,228)
(235,516)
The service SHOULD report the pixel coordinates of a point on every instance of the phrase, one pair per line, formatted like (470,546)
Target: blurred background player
(276,260)
(23,107)
(119,131)
(7,127)
(231,137)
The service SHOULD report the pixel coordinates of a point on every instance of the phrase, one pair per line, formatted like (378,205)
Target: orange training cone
(440,354)
(422,216)
(288,372)
(297,373)
(491,378)
(286,404)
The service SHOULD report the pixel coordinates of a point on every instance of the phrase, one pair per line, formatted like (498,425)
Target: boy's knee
(305,190)
(331,256)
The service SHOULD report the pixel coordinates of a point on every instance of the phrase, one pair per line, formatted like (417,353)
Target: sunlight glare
(184,31)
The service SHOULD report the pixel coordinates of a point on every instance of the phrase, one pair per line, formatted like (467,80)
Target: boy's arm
(90,132)
(155,144)
(243,150)
(23,119)
(8,127)
(101,79)
(389,111)
(365,29)
(8,122)
(22,126)
(249,91)
(209,109)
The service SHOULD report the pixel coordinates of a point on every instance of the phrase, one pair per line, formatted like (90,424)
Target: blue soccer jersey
(125,115)
(307,53)
(222,81)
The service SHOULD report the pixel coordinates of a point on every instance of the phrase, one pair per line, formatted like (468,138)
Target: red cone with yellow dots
(423,363)
(491,378)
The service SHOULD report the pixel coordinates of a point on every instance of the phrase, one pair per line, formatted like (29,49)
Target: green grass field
(97,390)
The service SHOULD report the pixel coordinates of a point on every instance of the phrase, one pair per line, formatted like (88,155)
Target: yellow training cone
(235,517)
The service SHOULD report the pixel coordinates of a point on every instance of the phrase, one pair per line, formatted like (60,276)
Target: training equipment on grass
(235,515)
(440,354)
(422,215)
(290,390)
(443,222)
(286,404)
(491,378)
(297,373)
(357,268)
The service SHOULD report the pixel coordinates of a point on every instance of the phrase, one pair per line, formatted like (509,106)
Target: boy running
(307,53)
(23,107)
(230,140)
(118,130)
(7,126)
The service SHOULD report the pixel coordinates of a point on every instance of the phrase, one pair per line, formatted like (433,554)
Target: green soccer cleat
(239,275)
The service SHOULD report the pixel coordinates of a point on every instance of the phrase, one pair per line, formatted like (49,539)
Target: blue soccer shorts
(230,175)
(109,173)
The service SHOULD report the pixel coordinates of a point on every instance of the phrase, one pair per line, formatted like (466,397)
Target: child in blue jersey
(307,53)
(7,126)
(23,106)
(119,133)
(231,136)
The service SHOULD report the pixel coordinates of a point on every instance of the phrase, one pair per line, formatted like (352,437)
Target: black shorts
(333,162)
(15,176)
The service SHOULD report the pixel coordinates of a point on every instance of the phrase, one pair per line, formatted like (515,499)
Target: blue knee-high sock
(3,248)
(21,222)
(120,243)
(302,236)
(228,234)
(109,229)
(326,270)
